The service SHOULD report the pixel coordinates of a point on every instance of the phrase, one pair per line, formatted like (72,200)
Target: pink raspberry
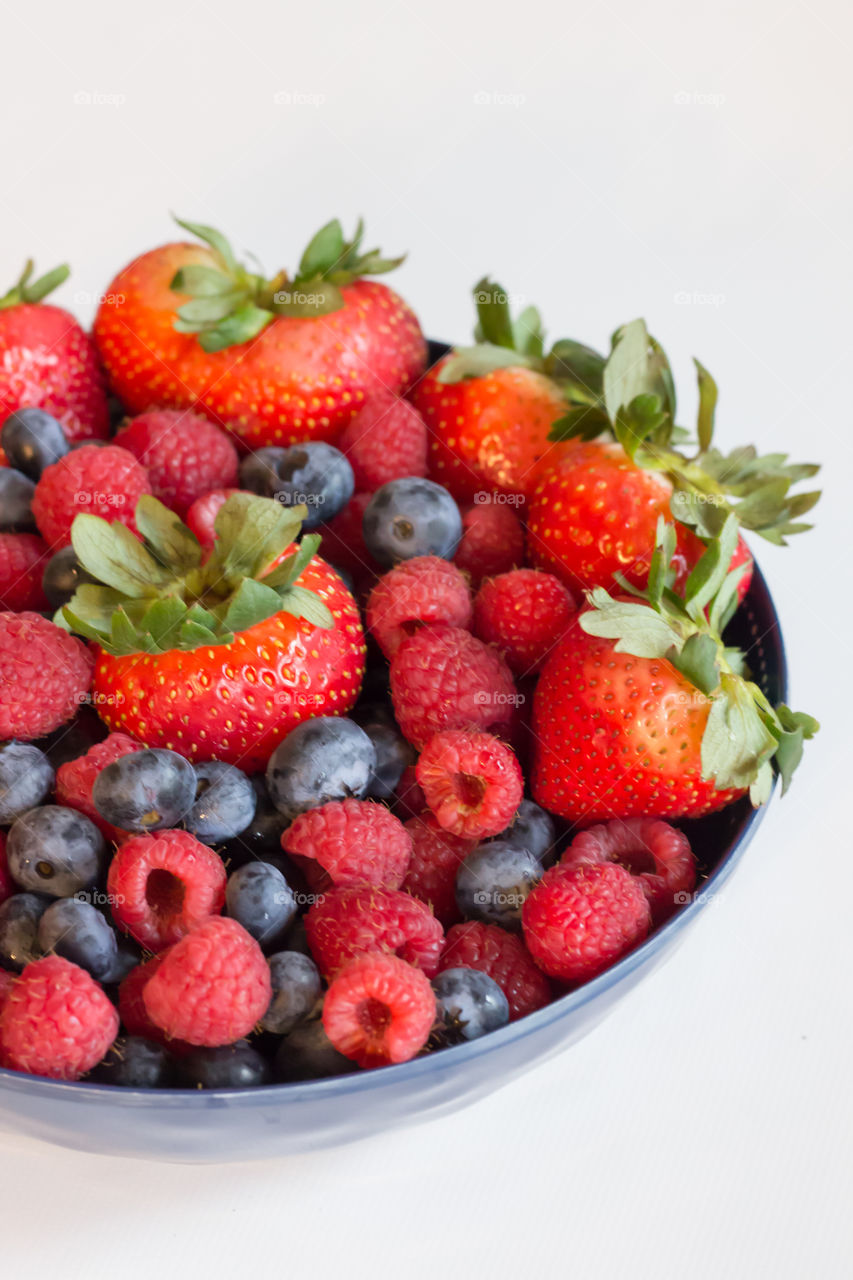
(164,884)
(472,782)
(347,922)
(201,517)
(657,854)
(45,675)
(524,613)
(504,957)
(212,987)
(75,779)
(55,1021)
(23,557)
(354,841)
(184,454)
(386,440)
(436,857)
(343,540)
(378,1010)
(444,678)
(415,594)
(101,480)
(492,541)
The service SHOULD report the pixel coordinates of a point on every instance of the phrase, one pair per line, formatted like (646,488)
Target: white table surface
(688,163)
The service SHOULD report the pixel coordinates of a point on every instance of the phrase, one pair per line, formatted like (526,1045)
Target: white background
(687,162)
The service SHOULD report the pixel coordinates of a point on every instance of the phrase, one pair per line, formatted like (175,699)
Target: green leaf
(476,362)
(125,638)
(626,370)
(709,573)
(796,728)
(45,284)
(305,604)
(310,298)
(636,628)
(193,636)
(201,282)
(494,314)
(659,574)
(241,326)
(763,504)
(707,406)
(208,310)
(251,532)
(634,424)
(110,553)
(162,620)
(323,252)
(579,365)
(215,239)
(698,662)
(528,334)
(584,423)
(291,569)
(251,603)
(174,545)
(725,601)
(736,742)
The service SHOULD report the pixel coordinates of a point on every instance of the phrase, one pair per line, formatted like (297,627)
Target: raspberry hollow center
(374,1017)
(470,790)
(164,893)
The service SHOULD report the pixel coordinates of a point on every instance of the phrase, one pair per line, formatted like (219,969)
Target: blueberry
(229,1066)
(73,740)
(19,924)
(470,1004)
(26,776)
(263,833)
(494,881)
(145,791)
(317,476)
(134,1063)
(76,930)
(32,440)
(327,758)
(296,989)
(128,956)
(411,517)
(224,804)
(16,495)
(259,470)
(532,829)
(55,851)
(62,576)
(261,900)
(308,1054)
(393,752)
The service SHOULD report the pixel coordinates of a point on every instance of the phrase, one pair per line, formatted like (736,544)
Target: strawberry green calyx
(637,407)
(745,736)
(230,304)
(156,595)
(27,290)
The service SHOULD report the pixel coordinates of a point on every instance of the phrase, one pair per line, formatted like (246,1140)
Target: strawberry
(490,408)
(48,362)
(596,502)
(641,709)
(275,362)
(218,660)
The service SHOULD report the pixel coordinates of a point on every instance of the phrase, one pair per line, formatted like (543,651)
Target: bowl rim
(399,1074)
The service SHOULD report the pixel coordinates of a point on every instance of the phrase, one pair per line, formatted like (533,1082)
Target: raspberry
(416,593)
(164,884)
(657,854)
(212,987)
(386,440)
(444,678)
(44,675)
(7,884)
(436,857)
(184,454)
(131,1007)
(75,779)
(577,923)
(56,1021)
(472,782)
(524,613)
(343,539)
(409,799)
(102,480)
(354,841)
(492,541)
(22,560)
(7,982)
(347,922)
(504,957)
(378,1010)
(201,517)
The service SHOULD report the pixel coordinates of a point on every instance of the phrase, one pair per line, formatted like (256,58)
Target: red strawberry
(640,709)
(276,362)
(220,660)
(48,362)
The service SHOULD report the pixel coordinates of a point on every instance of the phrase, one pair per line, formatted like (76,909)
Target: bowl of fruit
(374,714)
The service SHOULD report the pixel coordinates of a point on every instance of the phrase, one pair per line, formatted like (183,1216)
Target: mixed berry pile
(350,708)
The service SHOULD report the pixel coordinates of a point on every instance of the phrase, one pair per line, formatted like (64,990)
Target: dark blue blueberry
(296,989)
(32,440)
(55,851)
(470,1004)
(259,470)
(494,881)
(73,740)
(145,791)
(135,1063)
(327,758)
(76,930)
(128,956)
(411,517)
(16,495)
(393,752)
(308,1054)
(263,833)
(533,829)
(229,1066)
(62,576)
(19,926)
(224,805)
(26,776)
(317,476)
(261,900)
